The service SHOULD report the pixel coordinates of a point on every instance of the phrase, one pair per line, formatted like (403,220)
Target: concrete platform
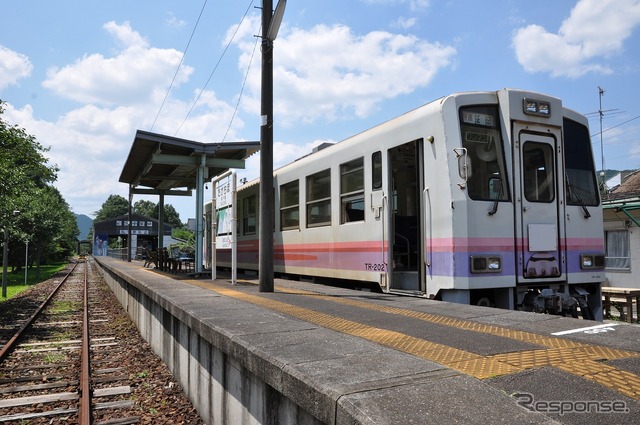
(331,355)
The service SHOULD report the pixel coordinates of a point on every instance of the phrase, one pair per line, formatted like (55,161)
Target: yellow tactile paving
(580,359)
(538,358)
(514,334)
(608,376)
(484,368)
(448,356)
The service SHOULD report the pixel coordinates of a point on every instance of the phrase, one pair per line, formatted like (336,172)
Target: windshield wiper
(574,193)
(495,203)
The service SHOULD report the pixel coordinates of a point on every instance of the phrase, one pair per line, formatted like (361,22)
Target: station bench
(621,299)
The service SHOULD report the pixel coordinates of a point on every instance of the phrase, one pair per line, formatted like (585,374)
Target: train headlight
(486,264)
(494,263)
(591,261)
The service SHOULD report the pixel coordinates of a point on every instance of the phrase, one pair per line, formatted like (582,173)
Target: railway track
(67,363)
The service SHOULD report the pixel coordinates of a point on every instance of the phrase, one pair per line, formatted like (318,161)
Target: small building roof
(629,188)
(163,163)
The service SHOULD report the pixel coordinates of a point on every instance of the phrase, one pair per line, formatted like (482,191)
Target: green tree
(145,208)
(26,179)
(152,210)
(189,238)
(49,225)
(23,167)
(114,206)
(171,216)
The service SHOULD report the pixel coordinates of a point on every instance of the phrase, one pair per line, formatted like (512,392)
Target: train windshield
(481,137)
(582,187)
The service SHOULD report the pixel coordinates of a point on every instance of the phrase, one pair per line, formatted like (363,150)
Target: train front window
(582,187)
(538,172)
(481,137)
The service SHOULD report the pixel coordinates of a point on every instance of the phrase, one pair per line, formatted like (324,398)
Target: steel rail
(85,372)
(10,344)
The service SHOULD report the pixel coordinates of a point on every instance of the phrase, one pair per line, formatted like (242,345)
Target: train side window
(290,206)
(581,175)
(352,191)
(319,199)
(249,215)
(376,170)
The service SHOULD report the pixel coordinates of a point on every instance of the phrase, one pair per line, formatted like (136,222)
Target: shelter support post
(129,226)
(200,177)
(161,229)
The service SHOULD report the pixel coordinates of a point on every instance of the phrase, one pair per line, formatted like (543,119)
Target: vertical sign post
(224,221)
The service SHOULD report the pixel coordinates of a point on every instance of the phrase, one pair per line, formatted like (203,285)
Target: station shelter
(137,233)
(169,166)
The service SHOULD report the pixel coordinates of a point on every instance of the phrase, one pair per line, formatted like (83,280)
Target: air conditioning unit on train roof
(321,146)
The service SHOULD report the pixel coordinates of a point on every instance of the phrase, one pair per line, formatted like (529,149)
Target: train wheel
(484,302)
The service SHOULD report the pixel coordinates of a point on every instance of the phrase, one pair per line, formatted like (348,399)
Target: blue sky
(83,76)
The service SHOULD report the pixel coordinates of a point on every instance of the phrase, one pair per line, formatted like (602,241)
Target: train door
(538,224)
(406,259)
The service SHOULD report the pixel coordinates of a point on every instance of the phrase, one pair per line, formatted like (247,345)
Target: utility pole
(601,114)
(270,25)
(266,156)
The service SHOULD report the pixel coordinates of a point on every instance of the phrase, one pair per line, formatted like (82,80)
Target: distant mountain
(609,173)
(84,224)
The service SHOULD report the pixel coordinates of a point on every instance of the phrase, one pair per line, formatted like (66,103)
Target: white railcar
(488,198)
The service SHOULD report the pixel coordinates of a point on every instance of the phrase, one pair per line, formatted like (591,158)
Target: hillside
(84,224)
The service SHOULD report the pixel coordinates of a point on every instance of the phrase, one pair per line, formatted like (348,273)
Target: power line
(600,94)
(215,68)
(179,65)
(244,82)
(618,125)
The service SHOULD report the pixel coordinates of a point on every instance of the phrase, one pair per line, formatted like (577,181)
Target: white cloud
(137,74)
(595,30)
(13,67)
(283,154)
(321,73)
(119,95)
(329,72)
(90,144)
(413,4)
(125,34)
(173,22)
(405,23)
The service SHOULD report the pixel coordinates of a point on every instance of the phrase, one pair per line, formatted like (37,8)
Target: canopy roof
(164,163)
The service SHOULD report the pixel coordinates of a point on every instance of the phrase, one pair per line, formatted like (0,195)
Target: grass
(15,281)
(64,306)
(54,357)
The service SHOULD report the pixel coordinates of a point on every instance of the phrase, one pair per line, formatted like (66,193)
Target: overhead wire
(179,65)
(611,128)
(215,68)
(244,82)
